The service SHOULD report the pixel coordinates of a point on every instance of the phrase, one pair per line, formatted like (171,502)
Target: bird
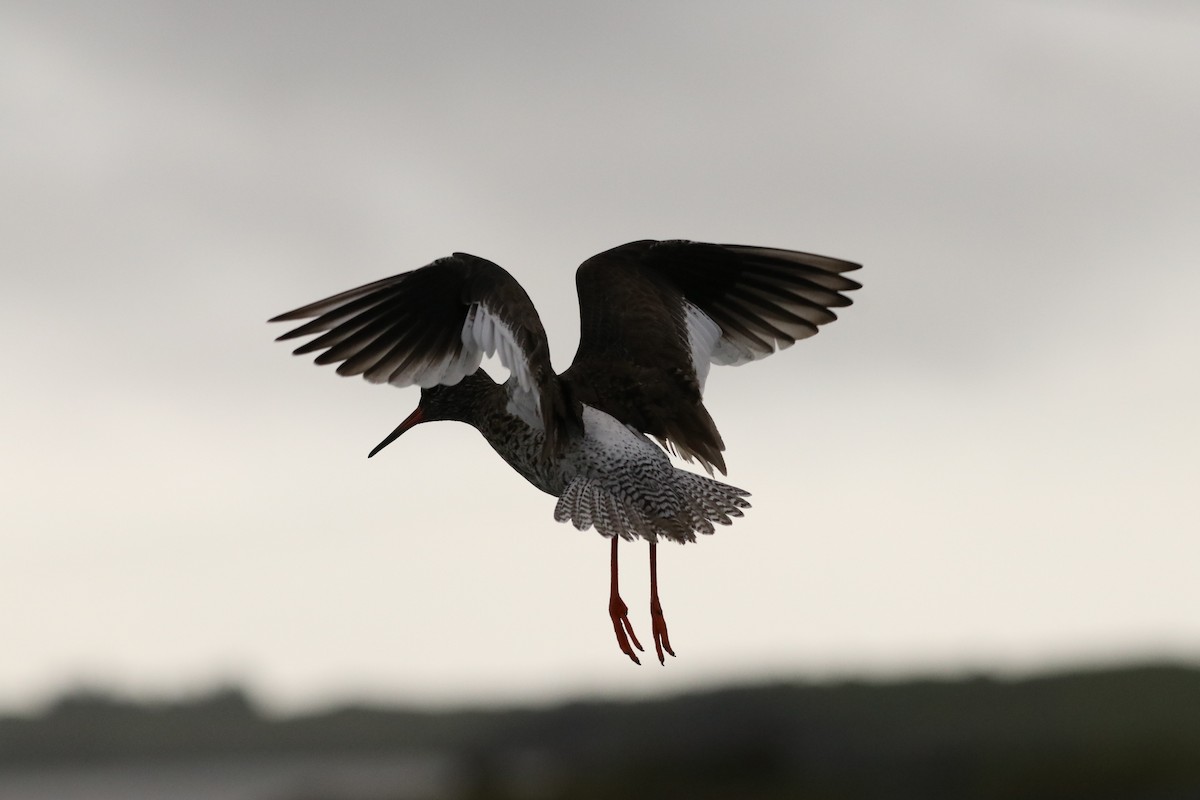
(654,316)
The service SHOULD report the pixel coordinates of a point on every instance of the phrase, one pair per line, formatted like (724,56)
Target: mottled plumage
(653,316)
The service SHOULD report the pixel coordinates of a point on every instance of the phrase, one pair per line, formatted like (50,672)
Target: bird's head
(459,403)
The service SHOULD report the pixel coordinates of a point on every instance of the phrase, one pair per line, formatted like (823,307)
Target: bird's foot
(623,627)
(658,627)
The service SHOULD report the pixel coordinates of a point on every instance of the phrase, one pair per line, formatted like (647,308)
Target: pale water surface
(411,777)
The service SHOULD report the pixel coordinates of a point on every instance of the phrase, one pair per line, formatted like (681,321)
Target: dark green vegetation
(1119,733)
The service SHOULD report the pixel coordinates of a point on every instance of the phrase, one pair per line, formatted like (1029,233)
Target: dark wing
(654,315)
(433,326)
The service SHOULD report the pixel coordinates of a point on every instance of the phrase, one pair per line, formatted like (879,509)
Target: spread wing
(433,326)
(655,315)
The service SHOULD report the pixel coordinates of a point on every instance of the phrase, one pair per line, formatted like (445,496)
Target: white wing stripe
(709,345)
(704,337)
(484,333)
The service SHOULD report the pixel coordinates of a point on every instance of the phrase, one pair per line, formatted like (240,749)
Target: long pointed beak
(415,418)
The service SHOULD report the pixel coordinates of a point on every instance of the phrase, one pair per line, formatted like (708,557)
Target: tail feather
(690,505)
(578,498)
(712,501)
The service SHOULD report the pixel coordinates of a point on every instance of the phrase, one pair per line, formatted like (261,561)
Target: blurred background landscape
(971,564)
(1116,733)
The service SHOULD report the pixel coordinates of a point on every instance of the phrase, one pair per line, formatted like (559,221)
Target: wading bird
(654,315)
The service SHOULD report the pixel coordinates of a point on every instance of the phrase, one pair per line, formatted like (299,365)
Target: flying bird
(654,316)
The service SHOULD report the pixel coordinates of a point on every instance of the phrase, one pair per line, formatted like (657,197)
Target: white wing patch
(708,345)
(485,334)
(449,371)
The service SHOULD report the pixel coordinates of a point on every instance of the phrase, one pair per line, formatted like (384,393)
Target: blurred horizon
(261,702)
(264,701)
(1117,732)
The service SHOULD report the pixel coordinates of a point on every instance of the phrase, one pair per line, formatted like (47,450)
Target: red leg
(620,613)
(657,622)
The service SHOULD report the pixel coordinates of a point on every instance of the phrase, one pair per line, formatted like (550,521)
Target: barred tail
(705,501)
(690,505)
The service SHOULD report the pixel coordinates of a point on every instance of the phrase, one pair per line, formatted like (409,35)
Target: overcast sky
(990,462)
